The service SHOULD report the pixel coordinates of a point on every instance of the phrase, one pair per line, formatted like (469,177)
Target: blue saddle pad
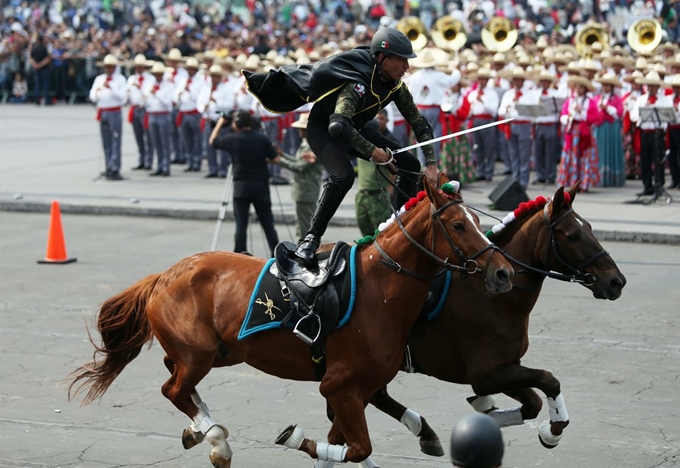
(436,298)
(267,308)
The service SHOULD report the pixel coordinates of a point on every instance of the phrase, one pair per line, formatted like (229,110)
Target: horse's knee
(549,384)
(358,453)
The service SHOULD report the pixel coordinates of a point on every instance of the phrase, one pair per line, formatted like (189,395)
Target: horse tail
(124,327)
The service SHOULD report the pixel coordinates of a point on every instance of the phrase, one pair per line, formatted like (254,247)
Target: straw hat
(271,55)
(542,43)
(140,60)
(158,68)
(471,67)
(252,63)
(303,60)
(192,62)
(109,60)
(674,62)
(499,57)
(589,65)
(574,81)
(667,46)
(545,75)
(618,60)
(633,76)
(427,58)
(226,62)
(559,57)
(173,55)
(302,121)
(207,55)
(314,56)
(517,73)
(660,69)
(609,78)
(216,70)
(675,81)
(481,74)
(641,64)
(652,78)
(241,59)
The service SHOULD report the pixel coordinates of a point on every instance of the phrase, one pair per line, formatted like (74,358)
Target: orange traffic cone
(56,247)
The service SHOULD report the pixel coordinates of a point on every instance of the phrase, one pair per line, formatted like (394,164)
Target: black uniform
(250,151)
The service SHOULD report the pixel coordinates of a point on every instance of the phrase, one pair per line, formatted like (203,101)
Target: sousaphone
(499,34)
(448,33)
(644,35)
(414,29)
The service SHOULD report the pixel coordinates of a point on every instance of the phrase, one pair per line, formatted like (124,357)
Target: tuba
(499,34)
(644,35)
(448,33)
(587,36)
(414,29)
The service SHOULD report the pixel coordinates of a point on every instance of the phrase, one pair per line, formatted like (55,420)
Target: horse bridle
(577,276)
(469,264)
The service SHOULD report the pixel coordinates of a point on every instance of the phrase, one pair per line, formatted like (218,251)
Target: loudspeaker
(508,195)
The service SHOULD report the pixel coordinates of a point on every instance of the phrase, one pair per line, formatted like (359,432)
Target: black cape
(291,86)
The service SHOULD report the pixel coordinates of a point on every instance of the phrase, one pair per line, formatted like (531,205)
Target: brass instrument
(587,36)
(414,30)
(499,34)
(448,34)
(644,35)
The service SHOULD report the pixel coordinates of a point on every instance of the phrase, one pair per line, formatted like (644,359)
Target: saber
(452,135)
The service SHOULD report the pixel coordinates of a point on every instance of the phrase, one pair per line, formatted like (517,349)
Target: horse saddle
(313,295)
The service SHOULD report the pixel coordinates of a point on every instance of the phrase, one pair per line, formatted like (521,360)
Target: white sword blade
(452,135)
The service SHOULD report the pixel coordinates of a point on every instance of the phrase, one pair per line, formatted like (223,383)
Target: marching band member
(428,87)
(631,132)
(483,108)
(159,117)
(138,85)
(457,160)
(175,73)
(188,117)
(674,135)
(215,100)
(579,153)
(108,93)
(652,136)
(608,133)
(546,137)
(519,130)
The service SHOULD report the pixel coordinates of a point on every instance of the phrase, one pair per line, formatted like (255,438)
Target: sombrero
(609,78)
(574,81)
(109,60)
(652,78)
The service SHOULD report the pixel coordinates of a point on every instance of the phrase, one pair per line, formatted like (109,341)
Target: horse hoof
(432,448)
(547,438)
(219,462)
(291,437)
(191,439)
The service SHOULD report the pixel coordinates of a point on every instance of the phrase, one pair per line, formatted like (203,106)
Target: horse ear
(433,194)
(573,190)
(443,179)
(557,201)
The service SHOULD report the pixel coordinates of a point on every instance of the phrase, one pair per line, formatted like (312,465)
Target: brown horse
(484,349)
(196,309)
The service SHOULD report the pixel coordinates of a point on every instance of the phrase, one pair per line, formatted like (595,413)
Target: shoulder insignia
(360,89)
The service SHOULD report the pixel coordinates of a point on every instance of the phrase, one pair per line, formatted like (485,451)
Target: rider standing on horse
(348,90)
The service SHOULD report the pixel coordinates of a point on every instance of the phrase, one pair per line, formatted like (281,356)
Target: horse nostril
(503,275)
(616,284)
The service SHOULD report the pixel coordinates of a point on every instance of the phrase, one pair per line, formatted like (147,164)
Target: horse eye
(573,237)
(459,227)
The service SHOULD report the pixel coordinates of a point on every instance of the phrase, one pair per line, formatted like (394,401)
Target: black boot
(328,203)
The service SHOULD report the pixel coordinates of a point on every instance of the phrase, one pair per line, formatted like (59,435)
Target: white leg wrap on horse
(324,464)
(295,439)
(507,417)
(412,420)
(196,398)
(368,463)
(482,404)
(331,452)
(557,410)
(546,436)
(202,423)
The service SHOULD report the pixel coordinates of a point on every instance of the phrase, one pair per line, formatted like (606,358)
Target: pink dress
(579,159)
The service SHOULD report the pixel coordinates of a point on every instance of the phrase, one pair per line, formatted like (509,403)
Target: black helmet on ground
(476,442)
(390,41)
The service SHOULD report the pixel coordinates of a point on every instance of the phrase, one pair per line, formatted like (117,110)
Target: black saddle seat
(290,268)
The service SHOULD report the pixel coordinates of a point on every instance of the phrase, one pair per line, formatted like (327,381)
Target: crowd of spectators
(78,33)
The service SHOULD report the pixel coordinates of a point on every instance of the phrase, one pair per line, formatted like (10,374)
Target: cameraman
(250,152)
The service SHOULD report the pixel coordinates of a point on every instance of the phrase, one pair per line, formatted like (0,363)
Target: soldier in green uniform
(348,89)
(307,181)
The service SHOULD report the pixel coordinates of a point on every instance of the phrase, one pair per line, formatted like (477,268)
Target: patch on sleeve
(360,89)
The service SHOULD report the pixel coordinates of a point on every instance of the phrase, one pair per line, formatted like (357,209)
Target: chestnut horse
(196,309)
(484,349)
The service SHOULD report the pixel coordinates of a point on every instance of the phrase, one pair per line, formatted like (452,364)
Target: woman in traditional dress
(579,153)
(457,156)
(631,133)
(608,133)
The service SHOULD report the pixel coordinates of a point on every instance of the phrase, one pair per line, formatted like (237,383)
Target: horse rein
(578,276)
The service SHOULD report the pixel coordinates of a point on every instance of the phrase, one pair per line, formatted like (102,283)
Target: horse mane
(450,192)
(516,218)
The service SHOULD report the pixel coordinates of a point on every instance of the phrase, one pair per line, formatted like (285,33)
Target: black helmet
(391,41)
(476,442)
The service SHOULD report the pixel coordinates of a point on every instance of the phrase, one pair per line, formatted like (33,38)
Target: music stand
(657,116)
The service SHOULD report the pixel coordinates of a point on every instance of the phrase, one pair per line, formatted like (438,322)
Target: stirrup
(301,335)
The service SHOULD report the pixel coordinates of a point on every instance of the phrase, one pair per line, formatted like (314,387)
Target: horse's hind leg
(180,390)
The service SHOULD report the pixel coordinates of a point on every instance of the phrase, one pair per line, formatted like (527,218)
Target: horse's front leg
(511,378)
(429,441)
